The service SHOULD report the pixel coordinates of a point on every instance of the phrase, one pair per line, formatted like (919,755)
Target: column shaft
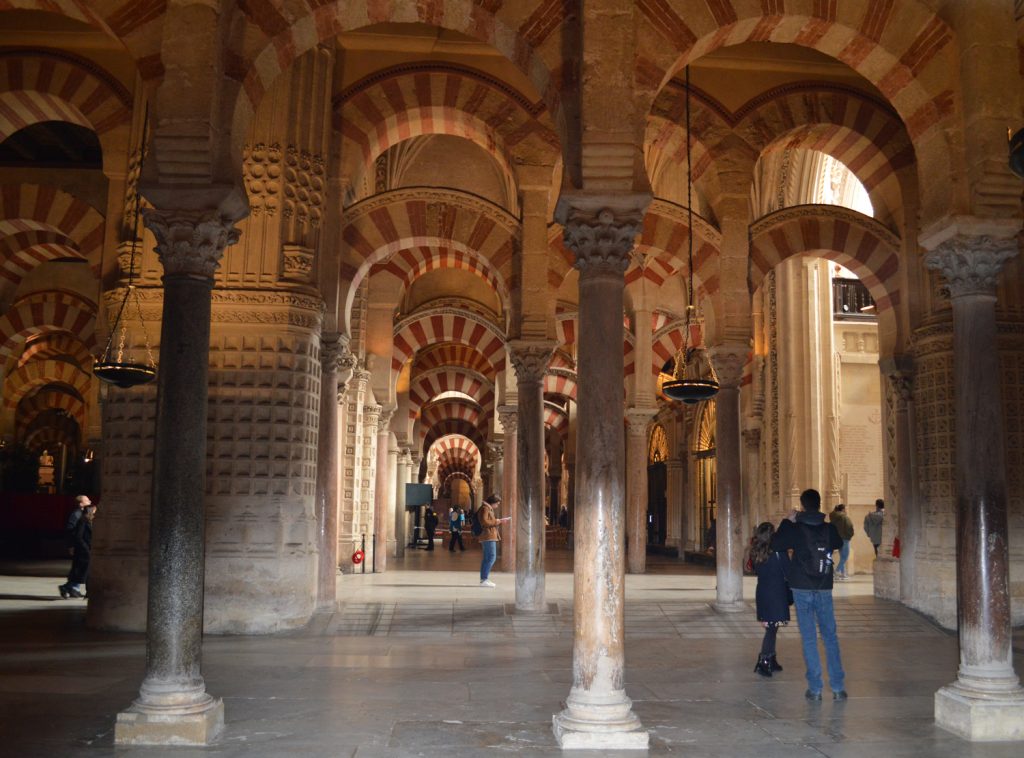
(382,493)
(636,489)
(509,417)
(327,478)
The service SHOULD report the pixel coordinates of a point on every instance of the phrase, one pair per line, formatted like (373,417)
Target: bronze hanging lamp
(682,387)
(117,366)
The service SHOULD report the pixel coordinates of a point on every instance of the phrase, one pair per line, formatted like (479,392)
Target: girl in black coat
(772,595)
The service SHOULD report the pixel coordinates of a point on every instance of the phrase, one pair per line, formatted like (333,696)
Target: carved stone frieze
(902,383)
(297,263)
(303,186)
(190,242)
(235,306)
(530,359)
(971,264)
(728,362)
(437,199)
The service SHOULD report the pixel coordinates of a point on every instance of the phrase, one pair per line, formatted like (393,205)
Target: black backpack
(474,523)
(817,561)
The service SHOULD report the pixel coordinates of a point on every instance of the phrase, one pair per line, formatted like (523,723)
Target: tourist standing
(873,524)
(430,524)
(810,577)
(455,521)
(844,526)
(772,595)
(81,554)
(489,536)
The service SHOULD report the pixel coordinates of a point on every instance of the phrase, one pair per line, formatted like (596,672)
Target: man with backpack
(812,541)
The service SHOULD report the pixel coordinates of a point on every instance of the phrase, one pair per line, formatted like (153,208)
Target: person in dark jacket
(810,578)
(430,522)
(772,595)
(81,556)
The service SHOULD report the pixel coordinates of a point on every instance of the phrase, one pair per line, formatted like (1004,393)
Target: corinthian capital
(639,419)
(190,242)
(509,417)
(728,362)
(384,419)
(530,359)
(971,264)
(601,229)
(902,383)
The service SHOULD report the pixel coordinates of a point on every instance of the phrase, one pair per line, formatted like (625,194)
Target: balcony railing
(852,301)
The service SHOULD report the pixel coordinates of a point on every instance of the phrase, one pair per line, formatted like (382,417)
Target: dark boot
(774,663)
(764,666)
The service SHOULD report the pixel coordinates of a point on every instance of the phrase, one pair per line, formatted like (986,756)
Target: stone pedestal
(600,230)
(636,488)
(530,360)
(509,417)
(986,702)
(173,706)
(728,361)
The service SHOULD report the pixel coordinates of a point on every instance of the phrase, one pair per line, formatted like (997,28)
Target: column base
(592,722)
(737,606)
(980,716)
(140,725)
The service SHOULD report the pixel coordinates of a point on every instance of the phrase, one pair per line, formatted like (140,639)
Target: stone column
(907,506)
(675,482)
(636,483)
(986,702)
(728,361)
(337,364)
(600,230)
(509,417)
(497,452)
(382,492)
(530,360)
(401,517)
(173,706)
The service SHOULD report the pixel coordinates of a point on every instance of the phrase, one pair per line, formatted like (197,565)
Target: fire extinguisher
(896,547)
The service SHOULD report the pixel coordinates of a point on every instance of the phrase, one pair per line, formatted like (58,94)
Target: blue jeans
(813,611)
(844,553)
(490,553)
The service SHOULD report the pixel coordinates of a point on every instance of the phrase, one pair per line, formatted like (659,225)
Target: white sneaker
(487,583)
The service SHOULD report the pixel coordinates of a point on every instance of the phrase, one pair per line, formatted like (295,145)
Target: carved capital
(530,359)
(601,230)
(639,419)
(370,414)
(971,264)
(902,383)
(496,451)
(728,362)
(508,415)
(384,420)
(190,242)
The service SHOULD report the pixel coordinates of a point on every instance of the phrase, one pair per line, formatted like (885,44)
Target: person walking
(772,595)
(873,524)
(81,554)
(455,521)
(810,577)
(489,537)
(430,524)
(844,526)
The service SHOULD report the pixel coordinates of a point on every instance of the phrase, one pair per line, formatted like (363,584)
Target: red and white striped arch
(49,399)
(561,359)
(458,409)
(429,97)
(408,264)
(448,427)
(904,49)
(664,241)
(448,355)
(559,381)
(857,241)
(45,312)
(556,418)
(431,327)
(456,451)
(39,373)
(669,338)
(42,85)
(57,345)
(425,386)
(47,432)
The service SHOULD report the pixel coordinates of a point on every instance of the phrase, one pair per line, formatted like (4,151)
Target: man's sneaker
(487,583)
(840,695)
(812,695)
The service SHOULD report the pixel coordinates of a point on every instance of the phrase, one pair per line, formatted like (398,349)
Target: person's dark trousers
(456,537)
(430,539)
(768,642)
(876,551)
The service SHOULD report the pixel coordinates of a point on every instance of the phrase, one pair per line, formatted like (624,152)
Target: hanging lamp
(684,388)
(118,368)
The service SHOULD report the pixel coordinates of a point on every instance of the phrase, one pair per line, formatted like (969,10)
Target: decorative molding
(436,201)
(261,172)
(971,264)
(530,359)
(447,310)
(297,263)
(235,306)
(705,229)
(190,242)
(817,211)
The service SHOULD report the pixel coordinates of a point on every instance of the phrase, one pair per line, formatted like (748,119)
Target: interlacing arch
(435,325)
(49,398)
(274,38)
(669,338)
(663,243)
(47,85)
(556,418)
(451,426)
(39,373)
(43,312)
(432,97)
(48,430)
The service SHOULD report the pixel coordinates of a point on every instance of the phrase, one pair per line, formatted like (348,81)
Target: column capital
(384,419)
(371,413)
(530,358)
(971,264)
(601,229)
(496,451)
(190,242)
(508,415)
(728,361)
(639,419)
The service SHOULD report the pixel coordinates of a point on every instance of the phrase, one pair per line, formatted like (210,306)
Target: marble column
(600,230)
(908,507)
(173,706)
(728,362)
(530,360)
(382,492)
(636,488)
(509,417)
(675,475)
(337,365)
(986,702)
(401,517)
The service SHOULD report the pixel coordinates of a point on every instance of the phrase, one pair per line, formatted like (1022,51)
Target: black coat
(772,589)
(790,536)
(81,540)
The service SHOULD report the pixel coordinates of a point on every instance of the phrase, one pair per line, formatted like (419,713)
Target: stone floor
(423,662)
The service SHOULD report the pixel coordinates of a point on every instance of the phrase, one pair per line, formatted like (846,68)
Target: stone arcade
(445,242)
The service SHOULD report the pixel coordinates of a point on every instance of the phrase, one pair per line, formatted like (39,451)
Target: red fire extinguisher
(896,547)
